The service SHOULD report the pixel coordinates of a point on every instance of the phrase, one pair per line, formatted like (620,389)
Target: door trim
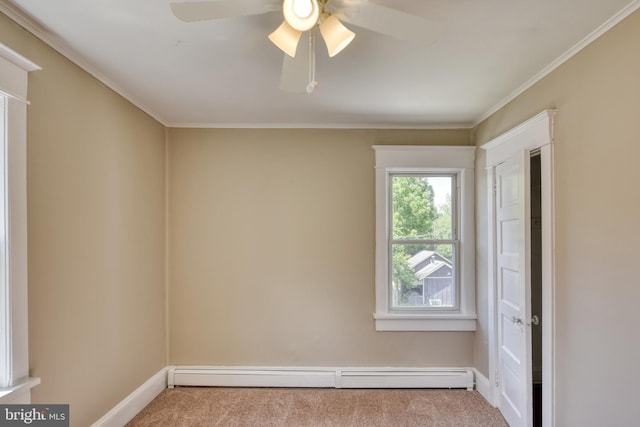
(535,133)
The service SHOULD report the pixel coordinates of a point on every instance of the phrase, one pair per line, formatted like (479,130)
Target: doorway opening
(522,272)
(536,285)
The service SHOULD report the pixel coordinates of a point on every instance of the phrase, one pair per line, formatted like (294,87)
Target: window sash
(455,276)
(454,241)
(420,174)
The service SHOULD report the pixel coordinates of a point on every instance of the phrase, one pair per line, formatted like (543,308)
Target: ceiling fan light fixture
(336,36)
(302,8)
(302,15)
(286,38)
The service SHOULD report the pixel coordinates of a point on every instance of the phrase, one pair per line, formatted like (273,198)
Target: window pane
(421,207)
(423,276)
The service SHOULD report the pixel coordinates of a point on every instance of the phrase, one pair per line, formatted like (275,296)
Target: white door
(513,266)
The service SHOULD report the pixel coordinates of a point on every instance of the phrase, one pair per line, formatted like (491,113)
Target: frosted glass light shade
(286,38)
(336,36)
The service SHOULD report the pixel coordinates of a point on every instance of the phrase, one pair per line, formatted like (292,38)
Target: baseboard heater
(212,376)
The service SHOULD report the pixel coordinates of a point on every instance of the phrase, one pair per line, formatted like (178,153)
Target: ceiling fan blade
(295,71)
(192,11)
(388,21)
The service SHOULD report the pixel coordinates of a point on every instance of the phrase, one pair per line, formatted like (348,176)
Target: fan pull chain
(312,62)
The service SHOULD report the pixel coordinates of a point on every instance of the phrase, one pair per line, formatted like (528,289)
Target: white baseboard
(483,386)
(222,376)
(128,408)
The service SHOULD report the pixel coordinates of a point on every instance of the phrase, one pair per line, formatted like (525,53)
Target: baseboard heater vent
(321,377)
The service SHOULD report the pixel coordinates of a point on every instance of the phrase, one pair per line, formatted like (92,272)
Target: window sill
(399,322)
(9,395)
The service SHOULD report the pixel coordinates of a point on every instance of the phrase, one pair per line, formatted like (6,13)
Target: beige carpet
(258,407)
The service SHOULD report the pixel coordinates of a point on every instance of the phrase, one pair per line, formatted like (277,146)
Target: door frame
(534,134)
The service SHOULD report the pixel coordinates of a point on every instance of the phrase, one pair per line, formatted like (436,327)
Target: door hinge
(497,378)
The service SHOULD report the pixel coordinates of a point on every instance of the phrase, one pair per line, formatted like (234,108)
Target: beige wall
(597,150)
(96,236)
(272,251)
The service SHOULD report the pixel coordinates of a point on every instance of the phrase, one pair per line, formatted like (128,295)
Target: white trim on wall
(325,377)
(458,160)
(483,386)
(19,394)
(535,133)
(130,406)
(14,335)
(530,135)
(366,126)
(548,288)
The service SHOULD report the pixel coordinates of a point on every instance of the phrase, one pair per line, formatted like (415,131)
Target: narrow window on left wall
(5,297)
(15,383)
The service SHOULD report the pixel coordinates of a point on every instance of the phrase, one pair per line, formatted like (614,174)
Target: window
(14,357)
(423,241)
(425,270)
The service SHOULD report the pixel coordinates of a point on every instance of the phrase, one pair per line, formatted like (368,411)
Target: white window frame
(15,383)
(393,159)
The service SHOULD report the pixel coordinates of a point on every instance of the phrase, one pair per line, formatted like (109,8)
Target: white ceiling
(225,73)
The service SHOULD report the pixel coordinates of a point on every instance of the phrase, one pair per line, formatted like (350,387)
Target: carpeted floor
(262,407)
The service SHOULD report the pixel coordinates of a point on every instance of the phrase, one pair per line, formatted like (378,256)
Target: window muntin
(423,242)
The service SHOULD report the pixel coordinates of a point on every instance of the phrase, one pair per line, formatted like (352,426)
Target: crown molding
(26,22)
(597,33)
(359,126)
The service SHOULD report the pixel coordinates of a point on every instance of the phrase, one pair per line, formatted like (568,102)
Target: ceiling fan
(303,17)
